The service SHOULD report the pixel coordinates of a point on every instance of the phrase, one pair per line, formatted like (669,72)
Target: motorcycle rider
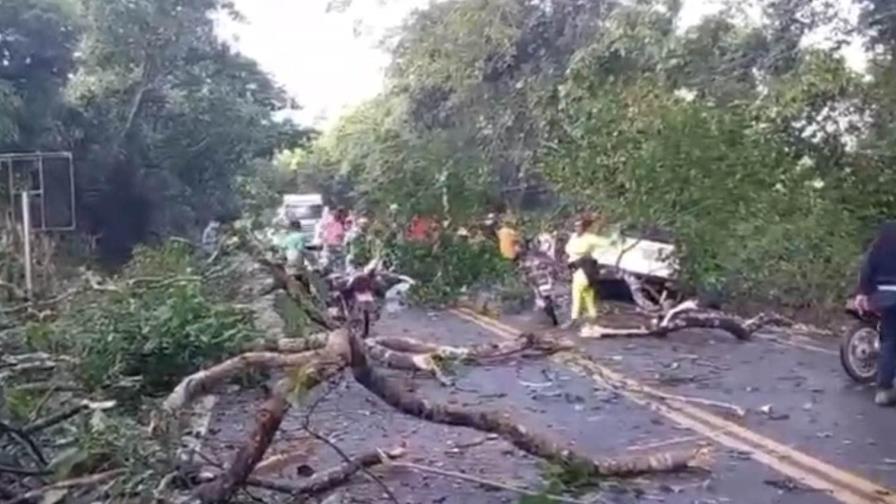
(877,293)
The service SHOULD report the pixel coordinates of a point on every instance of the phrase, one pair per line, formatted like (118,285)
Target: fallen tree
(348,351)
(319,358)
(307,363)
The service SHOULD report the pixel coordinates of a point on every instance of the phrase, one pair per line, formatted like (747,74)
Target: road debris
(769,411)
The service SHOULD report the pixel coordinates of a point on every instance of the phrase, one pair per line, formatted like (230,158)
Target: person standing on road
(580,252)
(334,231)
(877,293)
(293,245)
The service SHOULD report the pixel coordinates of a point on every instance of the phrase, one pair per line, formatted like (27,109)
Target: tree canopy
(162,116)
(740,133)
(748,135)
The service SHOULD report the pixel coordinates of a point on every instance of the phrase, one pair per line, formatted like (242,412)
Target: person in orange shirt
(508,239)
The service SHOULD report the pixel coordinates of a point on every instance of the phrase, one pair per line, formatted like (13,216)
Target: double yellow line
(842,485)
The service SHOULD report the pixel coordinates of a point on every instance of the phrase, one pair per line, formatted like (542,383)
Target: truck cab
(306,208)
(644,261)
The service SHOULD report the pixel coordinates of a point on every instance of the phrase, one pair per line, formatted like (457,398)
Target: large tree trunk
(267,422)
(502,424)
(325,364)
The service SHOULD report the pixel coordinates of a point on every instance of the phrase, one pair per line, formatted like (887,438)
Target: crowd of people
(348,240)
(339,236)
(538,259)
(344,238)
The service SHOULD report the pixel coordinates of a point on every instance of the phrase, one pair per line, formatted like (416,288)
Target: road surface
(809,435)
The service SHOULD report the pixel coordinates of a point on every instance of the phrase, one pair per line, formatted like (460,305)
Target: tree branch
(329,479)
(91,480)
(501,423)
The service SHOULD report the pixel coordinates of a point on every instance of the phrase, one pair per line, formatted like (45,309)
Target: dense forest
(748,135)
(163,118)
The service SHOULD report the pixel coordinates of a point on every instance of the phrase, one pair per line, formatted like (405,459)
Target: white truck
(646,263)
(306,208)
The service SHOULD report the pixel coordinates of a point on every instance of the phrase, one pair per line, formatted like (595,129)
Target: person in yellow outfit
(508,239)
(580,251)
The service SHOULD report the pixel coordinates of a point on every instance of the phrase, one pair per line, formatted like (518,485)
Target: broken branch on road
(682,317)
(344,350)
(330,479)
(303,364)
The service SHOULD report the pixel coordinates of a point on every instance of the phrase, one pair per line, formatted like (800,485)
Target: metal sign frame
(37,158)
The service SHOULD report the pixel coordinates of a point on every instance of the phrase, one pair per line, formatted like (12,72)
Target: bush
(446,268)
(155,324)
(752,218)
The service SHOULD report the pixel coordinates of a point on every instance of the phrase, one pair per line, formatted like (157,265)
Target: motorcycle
(860,346)
(538,272)
(354,295)
(549,307)
(352,298)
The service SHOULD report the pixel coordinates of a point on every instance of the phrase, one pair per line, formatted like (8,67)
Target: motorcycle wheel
(551,311)
(858,352)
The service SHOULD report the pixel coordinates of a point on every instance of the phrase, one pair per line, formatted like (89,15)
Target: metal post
(26,238)
(43,200)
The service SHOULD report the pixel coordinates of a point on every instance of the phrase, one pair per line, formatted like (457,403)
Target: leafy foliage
(154,323)
(765,155)
(450,265)
(162,116)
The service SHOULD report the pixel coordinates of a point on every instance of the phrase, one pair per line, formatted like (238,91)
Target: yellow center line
(844,486)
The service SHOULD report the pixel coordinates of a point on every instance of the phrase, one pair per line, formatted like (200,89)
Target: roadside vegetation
(770,160)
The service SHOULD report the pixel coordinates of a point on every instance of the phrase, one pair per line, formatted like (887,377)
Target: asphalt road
(808,436)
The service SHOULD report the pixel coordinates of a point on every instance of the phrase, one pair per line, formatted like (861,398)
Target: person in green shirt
(293,244)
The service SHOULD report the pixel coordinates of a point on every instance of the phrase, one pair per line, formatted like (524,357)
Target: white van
(307,208)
